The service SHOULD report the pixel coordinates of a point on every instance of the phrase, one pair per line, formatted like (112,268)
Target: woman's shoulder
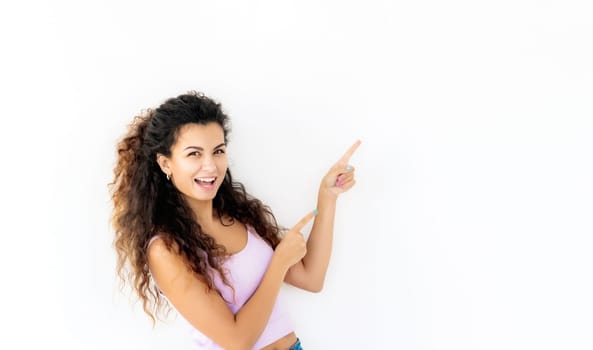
(161,238)
(158,245)
(154,238)
(161,244)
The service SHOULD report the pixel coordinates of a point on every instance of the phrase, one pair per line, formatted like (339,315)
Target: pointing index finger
(299,225)
(346,157)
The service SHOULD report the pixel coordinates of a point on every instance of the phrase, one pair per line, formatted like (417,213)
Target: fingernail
(315,211)
(349,168)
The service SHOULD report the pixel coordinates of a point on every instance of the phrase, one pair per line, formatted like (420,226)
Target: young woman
(187,235)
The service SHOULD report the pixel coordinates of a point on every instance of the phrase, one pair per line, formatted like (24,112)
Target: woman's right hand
(293,247)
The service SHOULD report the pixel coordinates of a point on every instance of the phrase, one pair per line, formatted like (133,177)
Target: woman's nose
(208,163)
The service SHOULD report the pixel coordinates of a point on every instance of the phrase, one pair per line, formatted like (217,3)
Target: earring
(168,177)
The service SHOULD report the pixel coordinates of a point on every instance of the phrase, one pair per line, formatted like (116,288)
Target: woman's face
(198,161)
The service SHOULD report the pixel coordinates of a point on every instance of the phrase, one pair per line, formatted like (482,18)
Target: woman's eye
(219,151)
(191,154)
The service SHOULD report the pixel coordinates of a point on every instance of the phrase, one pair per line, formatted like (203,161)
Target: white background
(470,226)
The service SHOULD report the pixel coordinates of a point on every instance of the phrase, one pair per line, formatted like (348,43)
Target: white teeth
(206,179)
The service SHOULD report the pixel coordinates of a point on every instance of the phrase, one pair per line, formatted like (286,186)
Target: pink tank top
(244,271)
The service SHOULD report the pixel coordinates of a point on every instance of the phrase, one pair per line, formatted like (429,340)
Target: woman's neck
(204,212)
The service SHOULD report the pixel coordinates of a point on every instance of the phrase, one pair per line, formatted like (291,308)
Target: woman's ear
(163,162)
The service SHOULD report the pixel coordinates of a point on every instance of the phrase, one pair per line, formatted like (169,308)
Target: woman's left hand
(340,178)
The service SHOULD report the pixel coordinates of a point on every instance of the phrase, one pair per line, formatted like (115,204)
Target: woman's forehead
(200,135)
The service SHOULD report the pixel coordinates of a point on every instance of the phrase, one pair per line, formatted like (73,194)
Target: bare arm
(206,310)
(309,273)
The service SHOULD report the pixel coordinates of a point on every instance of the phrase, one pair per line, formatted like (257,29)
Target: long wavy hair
(146,203)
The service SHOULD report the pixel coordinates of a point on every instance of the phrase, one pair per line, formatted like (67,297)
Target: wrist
(326,195)
(278,265)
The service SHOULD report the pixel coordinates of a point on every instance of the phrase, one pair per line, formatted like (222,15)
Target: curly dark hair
(146,204)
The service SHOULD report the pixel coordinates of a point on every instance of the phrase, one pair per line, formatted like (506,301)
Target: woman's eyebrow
(201,149)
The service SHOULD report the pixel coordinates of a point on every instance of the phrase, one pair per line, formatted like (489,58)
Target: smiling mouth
(205,180)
